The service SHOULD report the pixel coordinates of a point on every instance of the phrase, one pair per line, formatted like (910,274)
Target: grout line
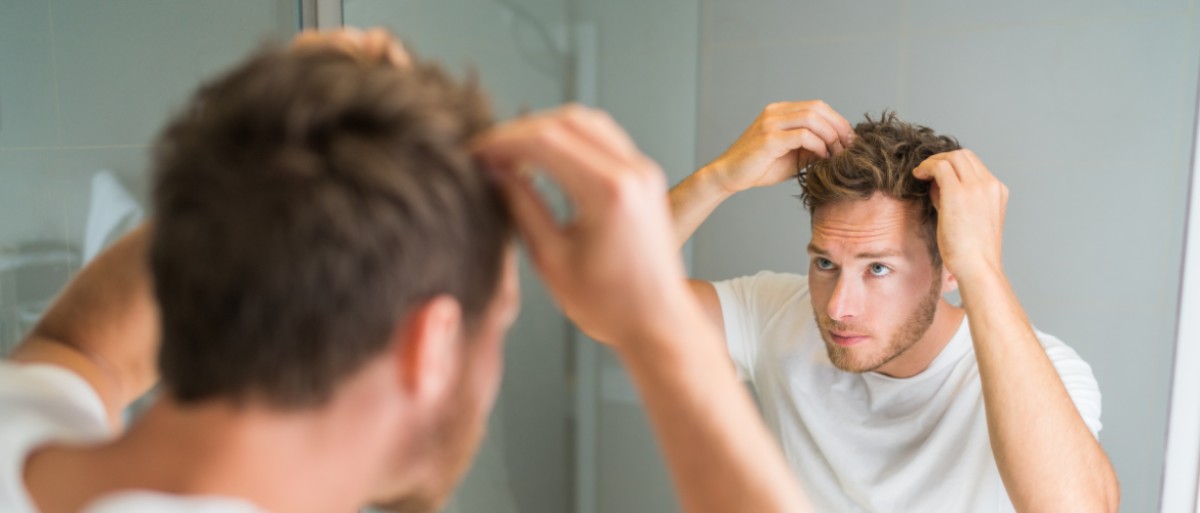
(59,127)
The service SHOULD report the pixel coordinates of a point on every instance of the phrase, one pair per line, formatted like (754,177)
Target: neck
(322,460)
(947,319)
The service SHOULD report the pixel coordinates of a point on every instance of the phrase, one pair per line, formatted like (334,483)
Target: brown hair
(881,159)
(304,203)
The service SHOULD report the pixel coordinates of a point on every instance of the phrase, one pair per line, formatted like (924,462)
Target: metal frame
(320,14)
(1181,463)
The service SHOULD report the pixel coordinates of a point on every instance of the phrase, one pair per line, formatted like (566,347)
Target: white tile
(1092,92)
(28,114)
(124,66)
(766,22)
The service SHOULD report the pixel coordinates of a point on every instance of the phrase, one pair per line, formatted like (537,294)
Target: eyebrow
(817,250)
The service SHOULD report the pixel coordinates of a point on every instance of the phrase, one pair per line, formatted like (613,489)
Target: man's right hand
(783,139)
(612,268)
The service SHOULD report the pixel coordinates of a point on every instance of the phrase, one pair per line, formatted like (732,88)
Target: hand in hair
(613,265)
(614,270)
(785,138)
(371,45)
(971,204)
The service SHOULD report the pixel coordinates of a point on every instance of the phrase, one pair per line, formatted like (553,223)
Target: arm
(104,326)
(1047,457)
(784,138)
(615,271)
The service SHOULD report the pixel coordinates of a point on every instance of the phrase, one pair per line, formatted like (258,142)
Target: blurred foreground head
(318,218)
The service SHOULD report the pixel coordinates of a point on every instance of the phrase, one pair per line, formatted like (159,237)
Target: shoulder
(766,284)
(1077,378)
(1059,351)
(41,404)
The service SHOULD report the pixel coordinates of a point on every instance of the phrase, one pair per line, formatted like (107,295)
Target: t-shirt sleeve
(1078,379)
(747,304)
(40,404)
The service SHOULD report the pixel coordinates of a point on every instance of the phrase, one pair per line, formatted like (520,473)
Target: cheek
(820,289)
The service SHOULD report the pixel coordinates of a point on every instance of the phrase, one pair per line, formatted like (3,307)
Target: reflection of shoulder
(783,283)
(780,290)
(1056,349)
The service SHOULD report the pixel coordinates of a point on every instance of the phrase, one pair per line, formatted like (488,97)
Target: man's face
(873,285)
(452,440)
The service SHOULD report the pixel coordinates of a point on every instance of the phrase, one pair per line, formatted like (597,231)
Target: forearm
(693,200)
(1047,457)
(104,325)
(721,456)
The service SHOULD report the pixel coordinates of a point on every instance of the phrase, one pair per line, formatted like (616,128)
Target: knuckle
(549,134)
(574,112)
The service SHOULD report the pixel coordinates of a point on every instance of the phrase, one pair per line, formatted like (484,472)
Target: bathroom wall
(1082,108)
(84,86)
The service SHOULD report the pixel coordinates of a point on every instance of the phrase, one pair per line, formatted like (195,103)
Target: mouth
(847,339)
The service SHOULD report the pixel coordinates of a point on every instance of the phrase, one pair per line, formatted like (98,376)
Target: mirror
(1085,110)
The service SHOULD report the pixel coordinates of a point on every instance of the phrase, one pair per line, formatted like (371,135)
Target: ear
(949,282)
(431,350)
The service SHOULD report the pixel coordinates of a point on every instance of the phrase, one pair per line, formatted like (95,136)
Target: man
(885,396)
(333,277)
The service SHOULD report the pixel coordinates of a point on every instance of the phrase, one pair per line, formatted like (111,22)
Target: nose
(846,302)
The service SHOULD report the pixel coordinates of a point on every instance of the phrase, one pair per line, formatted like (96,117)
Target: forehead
(879,223)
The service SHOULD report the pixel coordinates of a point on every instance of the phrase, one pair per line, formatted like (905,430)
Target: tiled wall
(1083,108)
(84,86)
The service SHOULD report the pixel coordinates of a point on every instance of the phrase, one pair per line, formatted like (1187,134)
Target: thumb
(534,221)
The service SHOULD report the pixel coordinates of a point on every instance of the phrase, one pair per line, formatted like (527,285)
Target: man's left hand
(970,204)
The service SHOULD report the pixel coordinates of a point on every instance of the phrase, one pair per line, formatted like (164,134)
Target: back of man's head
(880,161)
(303,204)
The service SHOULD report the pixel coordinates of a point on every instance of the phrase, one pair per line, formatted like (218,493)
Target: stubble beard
(903,339)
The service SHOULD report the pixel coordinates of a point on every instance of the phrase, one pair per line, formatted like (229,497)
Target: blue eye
(880,270)
(823,264)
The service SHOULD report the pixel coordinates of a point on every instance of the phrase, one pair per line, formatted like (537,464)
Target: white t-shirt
(45,404)
(868,442)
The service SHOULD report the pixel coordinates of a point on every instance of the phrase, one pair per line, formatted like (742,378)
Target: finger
(843,127)
(979,172)
(346,40)
(941,171)
(599,128)
(575,164)
(534,220)
(381,44)
(805,139)
(836,148)
(813,121)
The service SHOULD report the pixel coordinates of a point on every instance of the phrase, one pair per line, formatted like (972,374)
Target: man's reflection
(883,397)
